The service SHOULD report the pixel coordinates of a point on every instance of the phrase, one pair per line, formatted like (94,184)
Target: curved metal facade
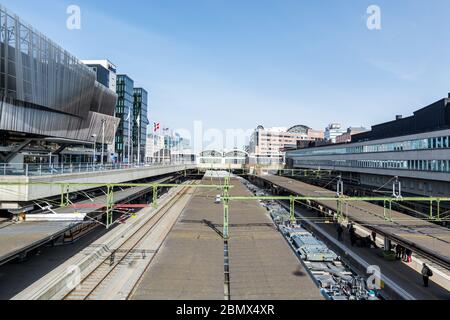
(44,89)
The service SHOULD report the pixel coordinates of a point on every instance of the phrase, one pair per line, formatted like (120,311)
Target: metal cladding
(51,124)
(103,99)
(47,91)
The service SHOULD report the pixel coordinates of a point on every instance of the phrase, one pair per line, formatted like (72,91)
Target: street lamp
(94,143)
(103,139)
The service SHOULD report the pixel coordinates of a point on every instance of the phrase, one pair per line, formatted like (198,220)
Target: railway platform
(403,275)
(190,264)
(19,238)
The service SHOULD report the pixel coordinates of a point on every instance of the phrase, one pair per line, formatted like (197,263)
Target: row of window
(412,165)
(441,142)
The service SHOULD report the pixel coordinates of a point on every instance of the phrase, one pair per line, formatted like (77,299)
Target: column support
(226,208)
(155,197)
(292,210)
(109,206)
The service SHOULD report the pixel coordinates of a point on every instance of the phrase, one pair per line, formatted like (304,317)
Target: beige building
(347,137)
(267,145)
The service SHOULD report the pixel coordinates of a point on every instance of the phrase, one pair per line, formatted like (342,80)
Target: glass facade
(438,142)
(411,165)
(140,123)
(35,72)
(46,91)
(124,111)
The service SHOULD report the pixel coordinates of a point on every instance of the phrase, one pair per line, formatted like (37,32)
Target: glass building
(140,123)
(125,112)
(416,149)
(47,93)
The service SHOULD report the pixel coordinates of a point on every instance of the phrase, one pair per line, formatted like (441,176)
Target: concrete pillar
(387,244)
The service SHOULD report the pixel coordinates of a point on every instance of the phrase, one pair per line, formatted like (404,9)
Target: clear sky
(237,64)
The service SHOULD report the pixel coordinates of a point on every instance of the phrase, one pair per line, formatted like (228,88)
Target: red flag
(156,126)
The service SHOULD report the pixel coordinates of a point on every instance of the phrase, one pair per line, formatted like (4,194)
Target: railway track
(108,270)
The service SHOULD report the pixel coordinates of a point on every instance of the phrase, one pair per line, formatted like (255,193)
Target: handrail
(26,169)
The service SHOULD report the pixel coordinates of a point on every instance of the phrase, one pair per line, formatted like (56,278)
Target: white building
(333,131)
(168,148)
(155,148)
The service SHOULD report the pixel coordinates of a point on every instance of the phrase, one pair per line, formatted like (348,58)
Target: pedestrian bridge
(235,160)
(26,188)
(26,183)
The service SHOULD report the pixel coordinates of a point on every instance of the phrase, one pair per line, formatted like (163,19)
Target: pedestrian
(426,274)
(398,252)
(408,253)
(404,257)
(340,231)
(349,226)
(352,232)
(374,237)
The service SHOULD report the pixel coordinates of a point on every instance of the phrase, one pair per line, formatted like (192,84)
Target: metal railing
(27,169)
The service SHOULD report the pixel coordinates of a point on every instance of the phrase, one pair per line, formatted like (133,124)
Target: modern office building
(267,145)
(416,149)
(49,99)
(333,131)
(124,111)
(106,72)
(140,124)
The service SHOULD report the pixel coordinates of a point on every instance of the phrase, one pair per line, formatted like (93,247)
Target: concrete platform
(190,264)
(398,272)
(19,238)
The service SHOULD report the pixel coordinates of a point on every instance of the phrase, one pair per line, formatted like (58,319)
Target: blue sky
(238,64)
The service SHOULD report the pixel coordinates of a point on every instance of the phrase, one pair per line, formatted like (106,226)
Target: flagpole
(153,144)
(139,143)
(138,121)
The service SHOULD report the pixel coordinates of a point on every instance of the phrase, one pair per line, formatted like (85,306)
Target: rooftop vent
(398,117)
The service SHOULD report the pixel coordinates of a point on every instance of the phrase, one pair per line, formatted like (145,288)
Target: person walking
(408,253)
(426,274)
(404,257)
(340,231)
(374,237)
(398,252)
(352,232)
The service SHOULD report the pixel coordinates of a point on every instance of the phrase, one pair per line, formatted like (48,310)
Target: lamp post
(103,140)
(139,139)
(94,136)
(129,136)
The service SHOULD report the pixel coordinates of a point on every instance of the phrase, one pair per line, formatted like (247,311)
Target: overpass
(19,189)
(24,183)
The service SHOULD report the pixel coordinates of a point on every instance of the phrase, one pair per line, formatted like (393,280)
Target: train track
(108,269)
